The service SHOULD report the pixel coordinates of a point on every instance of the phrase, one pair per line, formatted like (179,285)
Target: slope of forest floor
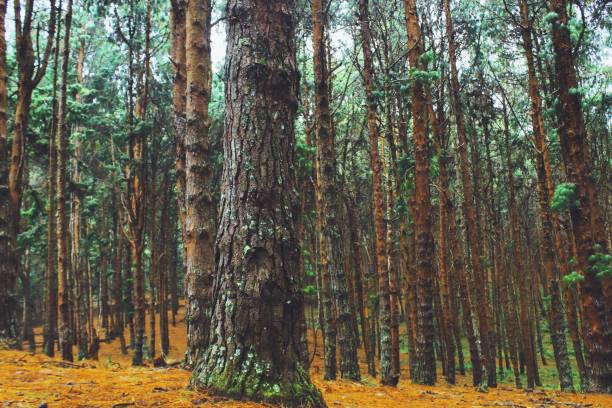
(31,380)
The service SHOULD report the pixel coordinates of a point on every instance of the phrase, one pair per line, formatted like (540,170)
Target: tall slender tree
(136,189)
(425,370)
(61,139)
(7,297)
(200,207)
(555,313)
(387,376)
(482,304)
(349,366)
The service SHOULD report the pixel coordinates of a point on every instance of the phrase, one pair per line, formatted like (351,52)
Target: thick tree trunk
(588,230)
(425,372)
(254,348)
(200,208)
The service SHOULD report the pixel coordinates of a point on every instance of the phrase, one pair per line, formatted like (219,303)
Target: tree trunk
(425,365)
(200,208)
(588,230)
(254,349)
(27,330)
(521,266)
(179,101)
(468,204)
(360,292)
(50,319)
(555,314)
(136,193)
(441,142)
(162,280)
(387,376)
(330,234)
(7,300)
(61,138)
(11,169)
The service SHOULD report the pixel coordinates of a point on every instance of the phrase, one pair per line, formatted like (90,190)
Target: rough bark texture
(425,370)
(387,376)
(588,230)
(255,339)
(555,314)
(199,210)
(330,234)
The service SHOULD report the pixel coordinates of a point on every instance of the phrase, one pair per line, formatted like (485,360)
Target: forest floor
(32,380)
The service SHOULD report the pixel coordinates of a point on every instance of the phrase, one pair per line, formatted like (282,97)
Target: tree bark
(387,376)
(441,144)
(254,348)
(555,313)
(179,101)
(521,266)
(11,169)
(425,372)
(330,234)
(588,230)
(200,208)
(136,194)
(50,320)
(468,204)
(61,138)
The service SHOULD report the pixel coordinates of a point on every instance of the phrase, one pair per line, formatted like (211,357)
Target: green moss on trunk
(257,381)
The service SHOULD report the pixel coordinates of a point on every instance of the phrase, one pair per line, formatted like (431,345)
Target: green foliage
(424,76)
(564,197)
(427,57)
(551,17)
(309,290)
(600,263)
(573,278)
